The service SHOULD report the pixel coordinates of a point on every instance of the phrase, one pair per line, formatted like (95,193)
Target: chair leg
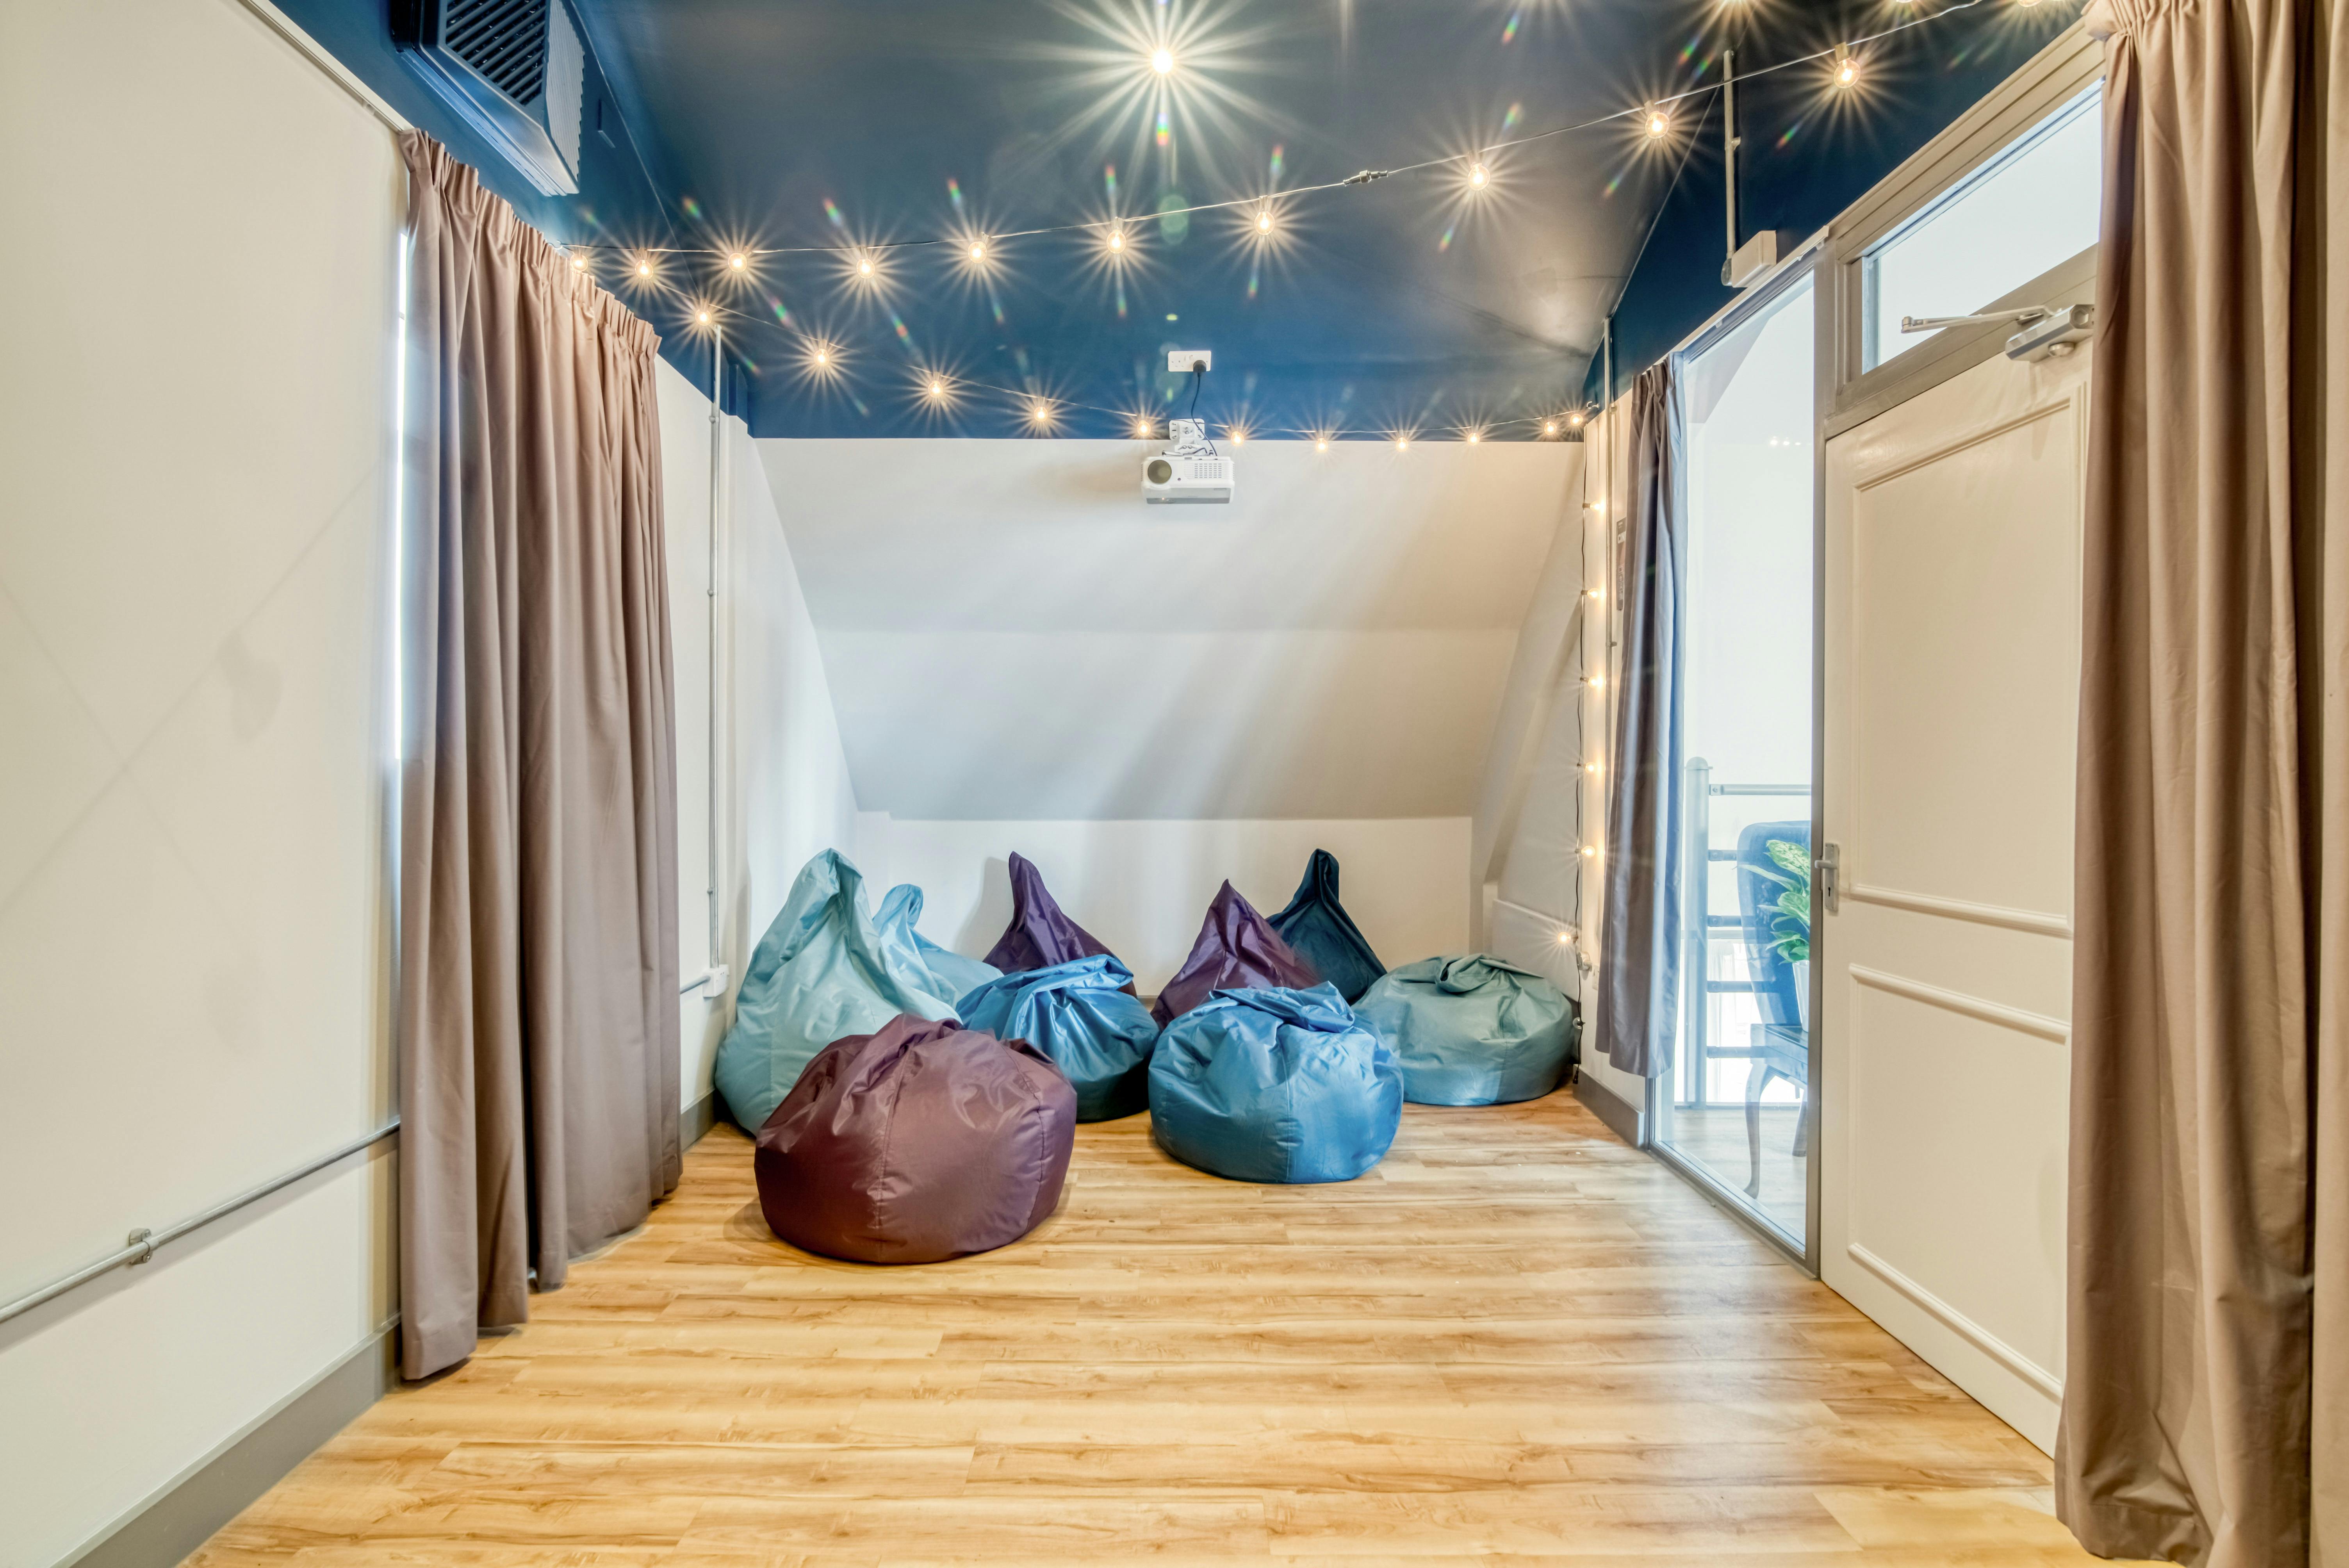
(1757,1077)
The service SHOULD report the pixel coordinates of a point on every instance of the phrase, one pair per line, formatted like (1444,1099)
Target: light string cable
(1360,178)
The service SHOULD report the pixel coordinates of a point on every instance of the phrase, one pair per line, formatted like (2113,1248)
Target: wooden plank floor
(1517,1341)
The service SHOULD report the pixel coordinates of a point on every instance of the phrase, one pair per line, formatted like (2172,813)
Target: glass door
(1734,1106)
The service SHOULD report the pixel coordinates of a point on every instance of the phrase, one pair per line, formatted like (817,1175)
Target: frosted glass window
(2029,211)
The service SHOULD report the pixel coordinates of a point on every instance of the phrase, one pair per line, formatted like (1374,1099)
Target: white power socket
(1183,361)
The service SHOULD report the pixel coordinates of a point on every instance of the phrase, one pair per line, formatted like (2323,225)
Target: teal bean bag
(824,969)
(1322,934)
(1274,1085)
(1081,1015)
(1472,1030)
(954,973)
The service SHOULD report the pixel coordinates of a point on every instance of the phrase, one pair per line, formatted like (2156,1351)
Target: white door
(1952,607)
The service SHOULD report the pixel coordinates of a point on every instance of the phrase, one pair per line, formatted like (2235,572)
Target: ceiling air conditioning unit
(1189,470)
(513,70)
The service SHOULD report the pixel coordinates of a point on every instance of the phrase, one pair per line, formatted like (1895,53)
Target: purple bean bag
(1040,934)
(1237,950)
(924,1141)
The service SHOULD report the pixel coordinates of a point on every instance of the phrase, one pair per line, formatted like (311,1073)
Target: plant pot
(1803,993)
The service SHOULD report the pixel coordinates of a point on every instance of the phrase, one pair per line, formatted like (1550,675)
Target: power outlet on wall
(1183,361)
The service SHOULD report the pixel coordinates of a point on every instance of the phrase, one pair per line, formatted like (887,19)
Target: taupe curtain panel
(538,1011)
(2206,1388)
(1640,874)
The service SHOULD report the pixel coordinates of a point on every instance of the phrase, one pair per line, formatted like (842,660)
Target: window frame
(2008,115)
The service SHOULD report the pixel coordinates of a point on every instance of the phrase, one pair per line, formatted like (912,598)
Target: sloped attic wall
(1023,653)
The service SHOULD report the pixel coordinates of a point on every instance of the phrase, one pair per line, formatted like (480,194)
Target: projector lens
(1159,471)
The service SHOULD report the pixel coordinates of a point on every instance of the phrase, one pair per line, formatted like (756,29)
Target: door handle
(1826,869)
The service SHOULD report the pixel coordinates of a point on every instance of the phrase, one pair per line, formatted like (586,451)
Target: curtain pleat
(2205,1390)
(1640,875)
(538,971)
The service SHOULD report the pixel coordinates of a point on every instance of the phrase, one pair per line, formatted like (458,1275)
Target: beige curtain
(1639,878)
(538,1011)
(2206,1389)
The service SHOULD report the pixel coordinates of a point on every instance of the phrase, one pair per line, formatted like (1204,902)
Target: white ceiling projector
(1190,470)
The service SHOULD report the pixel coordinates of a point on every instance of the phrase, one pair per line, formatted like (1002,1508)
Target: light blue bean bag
(1080,1015)
(1472,1030)
(823,969)
(1272,1085)
(954,973)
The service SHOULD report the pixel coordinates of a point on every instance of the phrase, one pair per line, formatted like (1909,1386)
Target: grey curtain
(2206,1389)
(537,993)
(1640,872)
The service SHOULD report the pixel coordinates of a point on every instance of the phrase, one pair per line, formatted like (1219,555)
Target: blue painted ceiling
(788,128)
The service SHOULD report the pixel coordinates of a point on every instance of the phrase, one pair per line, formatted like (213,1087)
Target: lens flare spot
(833,212)
(1790,133)
(1277,154)
(783,312)
(1509,120)
(1252,282)
(1109,179)
(1509,33)
(953,192)
(1446,243)
(1120,301)
(1166,130)
(693,208)
(903,335)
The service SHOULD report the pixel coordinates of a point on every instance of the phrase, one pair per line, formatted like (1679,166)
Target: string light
(1402,443)
(1549,427)
(1474,437)
(1320,443)
(1476,175)
(1846,68)
(703,318)
(643,269)
(1142,428)
(864,267)
(1263,221)
(937,387)
(1117,239)
(740,262)
(578,264)
(1575,419)
(1658,122)
(978,250)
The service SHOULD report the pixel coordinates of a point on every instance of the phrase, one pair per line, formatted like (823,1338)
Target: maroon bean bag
(924,1141)
(1237,948)
(1040,934)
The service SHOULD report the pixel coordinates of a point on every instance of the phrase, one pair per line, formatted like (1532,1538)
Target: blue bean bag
(1318,926)
(1472,1030)
(1080,1015)
(823,971)
(1274,1085)
(954,973)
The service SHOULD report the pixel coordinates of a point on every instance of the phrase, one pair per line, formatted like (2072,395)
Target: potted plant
(1792,929)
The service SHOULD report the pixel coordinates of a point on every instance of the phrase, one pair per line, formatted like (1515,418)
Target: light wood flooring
(1515,1342)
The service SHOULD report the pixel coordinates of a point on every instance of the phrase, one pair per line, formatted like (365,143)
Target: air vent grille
(504,40)
(1207,468)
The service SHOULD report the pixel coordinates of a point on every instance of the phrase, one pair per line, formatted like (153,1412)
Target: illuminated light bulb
(1264,222)
(1402,444)
(578,264)
(864,267)
(702,316)
(1238,436)
(1575,419)
(824,357)
(1476,176)
(1163,61)
(1590,768)
(1549,427)
(1565,938)
(937,389)
(1846,68)
(978,250)
(1657,122)
(1594,592)
(1117,239)
(1474,437)
(1041,412)
(1590,851)
(1320,443)
(1597,682)
(643,269)
(1142,427)
(739,262)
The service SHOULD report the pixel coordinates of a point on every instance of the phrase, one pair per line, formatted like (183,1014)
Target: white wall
(785,792)
(1014,634)
(194,490)
(1143,887)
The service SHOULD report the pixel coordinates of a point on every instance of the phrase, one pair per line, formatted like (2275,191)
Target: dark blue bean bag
(1317,925)
(1274,1085)
(1081,1016)
(1472,1030)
